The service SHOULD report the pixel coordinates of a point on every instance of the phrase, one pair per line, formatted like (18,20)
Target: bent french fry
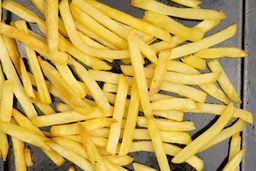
(206,137)
(187,13)
(235,162)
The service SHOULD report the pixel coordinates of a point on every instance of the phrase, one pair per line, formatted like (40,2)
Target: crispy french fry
(187,13)
(235,162)
(159,74)
(92,87)
(26,81)
(234,148)
(130,123)
(231,52)
(206,137)
(72,129)
(204,43)
(51,16)
(174,104)
(71,156)
(12,75)
(93,154)
(140,167)
(27,157)
(118,112)
(170,149)
(168,125)
(173,27)
(224,81)
(132,21)
(195,62)
(188,3)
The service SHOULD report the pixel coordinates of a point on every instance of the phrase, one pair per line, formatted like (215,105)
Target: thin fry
(234,148)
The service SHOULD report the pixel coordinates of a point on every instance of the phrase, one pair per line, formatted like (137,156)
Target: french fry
(26,81)
(112,166)
(172,115)
(181,67)
(170,149)
(92,87)
(172,26)
(234,148)
(188,3)
(118,113)
(93,154)
(130,123)
(90,42)
(162,46)
(132,21)
(27,157)
(61,107)
(140,167)
(206,137)
(12,75)
(231,52)
(235,162)
(98,141)
(72,168)
(174,104)
(204,43)
(51,16)
(227,133)
(168,125)
(159,74)
(195,62)
(46,109)
(119,160)
(224,81)
(42,89)
(72,129)
(187,13)
(71,156)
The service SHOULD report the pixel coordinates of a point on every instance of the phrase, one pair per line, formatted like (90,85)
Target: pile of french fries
(140,108)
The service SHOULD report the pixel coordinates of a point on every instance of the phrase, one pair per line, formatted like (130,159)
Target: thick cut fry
(115,129)
(195,62)
(18,150)
(92,87)
(130,123)
(234,148)
(132,21)
(188,3)
(206,137)
(174,104)
(27,156)
(26,81)
(224,81)
(51,17)
(159,74)
(93,154)
(231,52)
(42,89)
(71,156)
(140,167)
(235,162)
(12,75)
(170,149)
(72,129)
(168,125)
(173,27)
(187,13)
(205,43)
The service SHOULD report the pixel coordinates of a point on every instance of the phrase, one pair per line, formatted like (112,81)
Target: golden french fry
(130,123)
(140,167)
(170,114)
(234,148)
(187,13)
(224,81)
(168,125)
(173,27)
(235,162)
(174,104)
(159,74)
(72,129)
(45,108)
(72,168)
(92,87)
(195,62)
(205,137)
(132,21)
(90,42)
(118,112)
(112,166)
(71,156)
(188,3)
(61,107)
(177,66)
(231,52)
(27,157)
(119,160)
(93,154)
(18,150)
(51,16)
(12,75)
(170,149)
